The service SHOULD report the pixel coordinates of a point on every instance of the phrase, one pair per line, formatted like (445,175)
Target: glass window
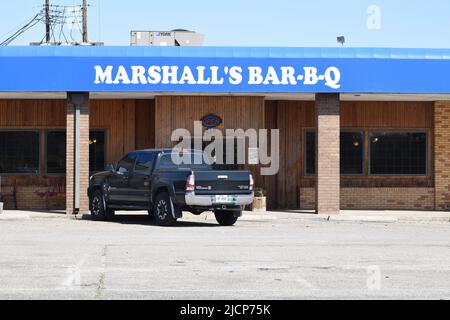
(351,152)
(310,152)
(144,161)
(96,151)
(19,152)
(398,153)
(231,151)
(166,163)
(56,152)
(127,163)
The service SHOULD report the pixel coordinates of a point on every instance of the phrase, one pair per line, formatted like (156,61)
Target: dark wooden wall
(32,113)
(173,112)
(145,124)
(117,118)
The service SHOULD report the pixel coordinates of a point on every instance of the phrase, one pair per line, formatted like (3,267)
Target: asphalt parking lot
(131,258)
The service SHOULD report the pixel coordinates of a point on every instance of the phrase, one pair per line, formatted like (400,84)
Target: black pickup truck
(151,180)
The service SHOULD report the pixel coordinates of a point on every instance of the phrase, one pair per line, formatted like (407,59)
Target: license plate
(223,199)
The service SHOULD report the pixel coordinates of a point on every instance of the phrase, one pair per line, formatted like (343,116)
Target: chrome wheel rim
(96,206)
(161,209)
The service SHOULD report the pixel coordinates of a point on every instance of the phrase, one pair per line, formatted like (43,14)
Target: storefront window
(351,152)
(19,152)
(96,151)
(398,153)
(56,152)
(310,152)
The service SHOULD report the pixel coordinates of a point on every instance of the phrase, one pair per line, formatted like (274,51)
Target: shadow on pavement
(148,221)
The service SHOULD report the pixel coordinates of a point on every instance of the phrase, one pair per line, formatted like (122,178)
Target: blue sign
(211,121)
(224,70)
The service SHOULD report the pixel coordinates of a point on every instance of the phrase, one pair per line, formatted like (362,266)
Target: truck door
(119,186)
(140,178)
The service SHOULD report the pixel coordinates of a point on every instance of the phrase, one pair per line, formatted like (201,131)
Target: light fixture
(341,40)
(356,143)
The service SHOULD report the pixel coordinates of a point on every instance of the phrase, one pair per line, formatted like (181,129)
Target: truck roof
(166,150)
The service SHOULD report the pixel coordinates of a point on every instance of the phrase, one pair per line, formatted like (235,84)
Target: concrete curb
(32,216)
(261,216)
(386,218)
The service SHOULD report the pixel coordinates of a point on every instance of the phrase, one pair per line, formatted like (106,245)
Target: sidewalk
(345,215)
(31,215)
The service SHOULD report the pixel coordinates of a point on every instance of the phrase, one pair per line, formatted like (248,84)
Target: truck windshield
(167,163)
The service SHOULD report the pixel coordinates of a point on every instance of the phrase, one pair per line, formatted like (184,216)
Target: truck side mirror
(110,167)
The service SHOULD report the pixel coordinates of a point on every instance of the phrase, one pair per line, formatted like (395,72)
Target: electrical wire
(35,20)
(59,18)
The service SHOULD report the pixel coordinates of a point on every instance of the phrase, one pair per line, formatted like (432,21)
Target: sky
(287,23)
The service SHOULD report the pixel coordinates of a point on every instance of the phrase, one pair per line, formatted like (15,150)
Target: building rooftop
(226,52)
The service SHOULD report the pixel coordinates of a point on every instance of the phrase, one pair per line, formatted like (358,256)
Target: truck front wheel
(97,207)
(164,210)
(225,217)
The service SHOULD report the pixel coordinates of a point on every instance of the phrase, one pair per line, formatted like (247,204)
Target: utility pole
(47,21)
(85,27)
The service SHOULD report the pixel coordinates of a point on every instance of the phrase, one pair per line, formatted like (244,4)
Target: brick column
(77,154)
(442,155)
(327,153)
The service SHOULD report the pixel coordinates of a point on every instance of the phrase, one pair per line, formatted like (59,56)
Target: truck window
(144,162)
(166,163)
(127,163)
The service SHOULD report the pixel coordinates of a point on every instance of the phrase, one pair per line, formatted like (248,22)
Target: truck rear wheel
(225,217)
(164,210)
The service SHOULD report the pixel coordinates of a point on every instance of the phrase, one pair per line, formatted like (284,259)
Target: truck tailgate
(222,182)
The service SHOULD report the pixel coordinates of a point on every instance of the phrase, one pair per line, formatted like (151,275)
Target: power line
(57,18)
(35,20)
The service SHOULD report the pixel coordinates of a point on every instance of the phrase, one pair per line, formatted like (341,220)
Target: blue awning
(224,69)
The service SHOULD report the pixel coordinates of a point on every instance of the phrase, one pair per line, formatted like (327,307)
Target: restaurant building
(359,128)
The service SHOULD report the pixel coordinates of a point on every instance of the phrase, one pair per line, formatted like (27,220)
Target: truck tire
(164,210)
(97,207)
(225,217)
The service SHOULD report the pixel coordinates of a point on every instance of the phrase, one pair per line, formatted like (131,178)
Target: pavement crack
(101,279)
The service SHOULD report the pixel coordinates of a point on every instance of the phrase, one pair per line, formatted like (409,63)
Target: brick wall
(442,154)
(84,155)
(34,198)
(327,153)
(33,192)
(376,198)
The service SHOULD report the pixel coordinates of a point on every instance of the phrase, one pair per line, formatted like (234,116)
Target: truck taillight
(190,183)
(250,187)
